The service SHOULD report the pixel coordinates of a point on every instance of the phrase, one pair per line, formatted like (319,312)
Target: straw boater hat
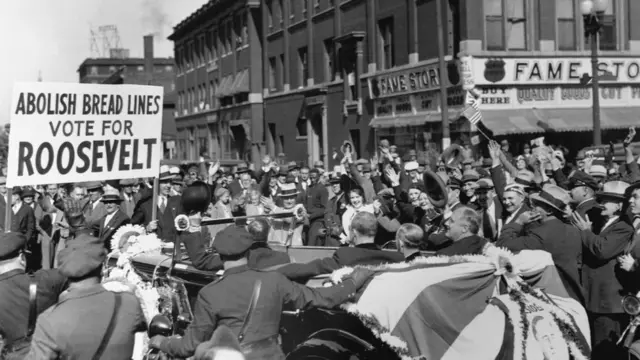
(288,190)
(111,195)
(614,189)
(553,196)
(165,173)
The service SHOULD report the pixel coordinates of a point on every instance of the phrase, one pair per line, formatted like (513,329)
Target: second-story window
(304,8)
(270,14)
(303,65)
(202,50)
(292,9)
(566,12)
(238,29)
(328,60)
(505,24)
(281,11)
(608,39)
(385,40)
(282,71)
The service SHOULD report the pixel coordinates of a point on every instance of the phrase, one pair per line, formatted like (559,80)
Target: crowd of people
(585,213)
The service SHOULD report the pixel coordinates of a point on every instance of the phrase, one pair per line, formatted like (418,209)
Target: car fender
(332,344)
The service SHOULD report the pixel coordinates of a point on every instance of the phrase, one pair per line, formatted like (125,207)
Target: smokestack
(148,58)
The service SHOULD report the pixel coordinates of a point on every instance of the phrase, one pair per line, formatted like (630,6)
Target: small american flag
(472,108)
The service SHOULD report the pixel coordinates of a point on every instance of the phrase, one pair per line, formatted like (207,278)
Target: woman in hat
(221,210)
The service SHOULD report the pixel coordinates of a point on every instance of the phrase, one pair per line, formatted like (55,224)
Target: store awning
(224,87)
(240,83)
(411,120)
(528,121)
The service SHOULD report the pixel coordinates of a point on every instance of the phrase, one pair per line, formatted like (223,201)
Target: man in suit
(3,202)
(490,209)
(243,183)
(168,208)
(94,210)
(603,289)
(546,231)
(316,204)
(42,241)
(114,218)
(363,251)
(583,189)
(336,206)
(512,197)
(128,203)
(462,228)
(261,256)
(23,221)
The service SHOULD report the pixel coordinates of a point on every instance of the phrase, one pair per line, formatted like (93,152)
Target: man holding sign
(83,132)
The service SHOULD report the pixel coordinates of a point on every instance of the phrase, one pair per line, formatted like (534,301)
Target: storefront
(549,96)
(406,106)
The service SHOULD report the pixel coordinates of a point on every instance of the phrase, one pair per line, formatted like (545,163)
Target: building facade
(219,82)
(529,60)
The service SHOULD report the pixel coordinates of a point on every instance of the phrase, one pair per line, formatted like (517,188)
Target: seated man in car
(363,251)
(261,256)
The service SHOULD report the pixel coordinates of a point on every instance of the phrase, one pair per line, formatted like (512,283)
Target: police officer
(16,298)
(89,321)
(225,302)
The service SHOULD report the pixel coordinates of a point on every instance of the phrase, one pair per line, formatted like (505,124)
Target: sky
(53,37)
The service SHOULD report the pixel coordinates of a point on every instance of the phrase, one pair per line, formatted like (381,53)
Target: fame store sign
(545,71)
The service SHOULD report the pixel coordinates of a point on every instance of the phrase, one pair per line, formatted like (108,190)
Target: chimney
(148,58)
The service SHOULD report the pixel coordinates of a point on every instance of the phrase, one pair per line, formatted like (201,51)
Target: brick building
(139,71)
(363,70)
(218,83)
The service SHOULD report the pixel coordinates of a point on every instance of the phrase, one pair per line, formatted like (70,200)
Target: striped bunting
(456,308)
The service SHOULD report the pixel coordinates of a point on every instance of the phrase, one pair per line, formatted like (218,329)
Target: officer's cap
(580,178)
(233,240)
(79,260)
(11,243)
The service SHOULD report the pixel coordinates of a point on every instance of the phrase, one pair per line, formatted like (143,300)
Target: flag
(472,108)
(446,308)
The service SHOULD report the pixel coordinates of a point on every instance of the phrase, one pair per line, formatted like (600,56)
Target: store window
(505,24)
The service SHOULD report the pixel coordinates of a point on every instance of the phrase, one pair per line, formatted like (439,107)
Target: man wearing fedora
(239,186)
(168,208)
(603,289)
(94,210)
(583,189)
(114,218)
(546,231)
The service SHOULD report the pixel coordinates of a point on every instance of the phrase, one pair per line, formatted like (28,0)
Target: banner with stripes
(474,307)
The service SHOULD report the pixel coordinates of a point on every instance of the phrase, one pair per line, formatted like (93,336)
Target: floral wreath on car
(128,242)
(520,295)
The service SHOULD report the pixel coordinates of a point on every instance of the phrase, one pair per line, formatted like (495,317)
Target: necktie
(487,226)
(163,205)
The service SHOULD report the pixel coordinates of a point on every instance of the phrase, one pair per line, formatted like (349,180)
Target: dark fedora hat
(196,197)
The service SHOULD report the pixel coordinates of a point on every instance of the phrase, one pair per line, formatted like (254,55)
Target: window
(94,70)
(301,127)
(240,24)
(140,68)
(202,47)
(270,14)
(608,38)
(223,41)
(229,32)
(316,3)
(214,46)
(272,73)
(328,59)
(505,24)
(303,67)
(282,70)
(292,9)
(281,11)
(304,8)
(355,140)
(566,24)
(385,39)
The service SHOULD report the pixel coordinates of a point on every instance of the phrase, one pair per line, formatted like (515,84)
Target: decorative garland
(520,295)
(128,242)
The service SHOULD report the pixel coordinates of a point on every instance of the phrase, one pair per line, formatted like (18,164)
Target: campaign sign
(65,133)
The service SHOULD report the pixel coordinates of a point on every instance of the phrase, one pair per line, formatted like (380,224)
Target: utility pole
(444,109)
